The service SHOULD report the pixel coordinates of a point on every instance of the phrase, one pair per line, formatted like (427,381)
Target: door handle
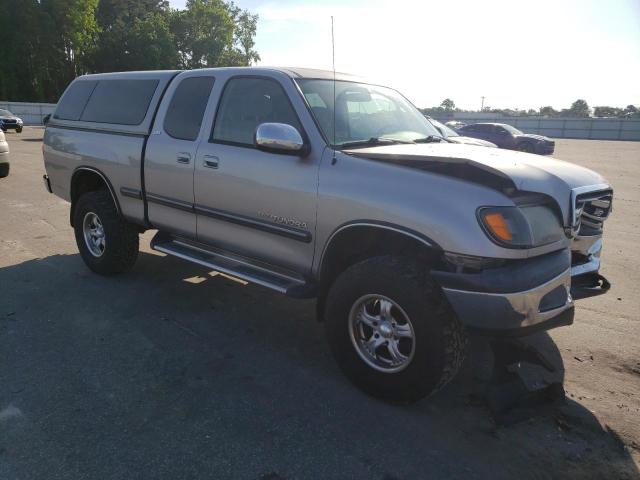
(211,161)
(184,157)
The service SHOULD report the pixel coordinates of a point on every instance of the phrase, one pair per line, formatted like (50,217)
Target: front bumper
(12,126)
(545,148)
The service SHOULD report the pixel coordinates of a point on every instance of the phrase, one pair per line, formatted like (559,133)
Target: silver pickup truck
(334,189)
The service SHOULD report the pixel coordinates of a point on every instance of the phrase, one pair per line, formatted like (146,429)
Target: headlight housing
(521,227)
(19,120)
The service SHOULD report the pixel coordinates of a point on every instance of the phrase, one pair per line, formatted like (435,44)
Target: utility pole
(482,104)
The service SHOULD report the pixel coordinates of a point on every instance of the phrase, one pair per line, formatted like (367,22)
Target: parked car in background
(454,137)
(506,136)
(455,124)
(10,121)
(4,156)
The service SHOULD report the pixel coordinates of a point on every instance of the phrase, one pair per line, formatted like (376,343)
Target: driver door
(257,204)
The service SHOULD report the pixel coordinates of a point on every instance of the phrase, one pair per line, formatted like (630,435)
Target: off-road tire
(121,237)
(4,170)
(440,338)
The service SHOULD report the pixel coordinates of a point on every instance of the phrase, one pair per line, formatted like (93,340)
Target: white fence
(588,128)
(30,113)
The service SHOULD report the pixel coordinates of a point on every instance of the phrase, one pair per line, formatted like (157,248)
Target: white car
(4,156)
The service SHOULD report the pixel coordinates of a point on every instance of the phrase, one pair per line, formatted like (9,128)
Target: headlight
(19,120)
(521,227)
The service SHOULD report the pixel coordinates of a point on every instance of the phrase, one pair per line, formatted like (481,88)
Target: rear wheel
(107,243)
(391,331)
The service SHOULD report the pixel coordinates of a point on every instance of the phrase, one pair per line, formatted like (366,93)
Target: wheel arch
(89,179)
(356,241)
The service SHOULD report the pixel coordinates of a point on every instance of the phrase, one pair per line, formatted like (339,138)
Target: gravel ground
(173,372)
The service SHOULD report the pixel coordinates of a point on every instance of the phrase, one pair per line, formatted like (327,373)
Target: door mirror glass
(279,138)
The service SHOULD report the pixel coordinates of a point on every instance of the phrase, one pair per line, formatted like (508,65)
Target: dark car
(454,137)
(506,136)
(8,121)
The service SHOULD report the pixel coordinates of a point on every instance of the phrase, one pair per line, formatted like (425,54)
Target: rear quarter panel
(117,157)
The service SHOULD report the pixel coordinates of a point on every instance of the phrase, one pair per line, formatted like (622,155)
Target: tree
(448,105)
(46,43)
(548,111)
(204,33)
(244,34)
(579,108)
(607,111)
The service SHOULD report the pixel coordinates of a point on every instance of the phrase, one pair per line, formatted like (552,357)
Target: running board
(236,266)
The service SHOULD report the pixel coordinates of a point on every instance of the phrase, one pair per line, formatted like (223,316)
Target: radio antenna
(333,60)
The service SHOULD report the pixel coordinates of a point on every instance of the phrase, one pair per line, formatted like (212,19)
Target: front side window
(511,130)
(245,104)
(186,110)
(363,112)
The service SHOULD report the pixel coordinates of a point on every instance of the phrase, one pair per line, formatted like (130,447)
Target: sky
(517,54)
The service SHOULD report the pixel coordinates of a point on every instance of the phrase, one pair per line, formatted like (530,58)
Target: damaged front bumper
(520,297)
(513,300)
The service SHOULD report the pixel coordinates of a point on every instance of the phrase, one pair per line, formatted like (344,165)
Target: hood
(504,170)
(471,141)
(540,138)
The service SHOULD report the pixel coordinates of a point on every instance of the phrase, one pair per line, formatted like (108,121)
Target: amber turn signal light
(498,226)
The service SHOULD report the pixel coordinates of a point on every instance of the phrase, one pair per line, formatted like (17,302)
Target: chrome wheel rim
(382,333)
(93,232)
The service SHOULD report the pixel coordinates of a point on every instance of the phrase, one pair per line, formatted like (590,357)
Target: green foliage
(548,111)
(579,108)
(46,43)
(448,105)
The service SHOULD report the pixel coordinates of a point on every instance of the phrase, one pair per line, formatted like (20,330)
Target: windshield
(510,129)
(364,113)
(446,131)
(5,113)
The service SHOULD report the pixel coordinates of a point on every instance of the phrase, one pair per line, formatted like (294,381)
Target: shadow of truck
(173,371)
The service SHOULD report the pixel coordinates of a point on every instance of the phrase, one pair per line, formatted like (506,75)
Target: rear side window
(123,102)
(245,104)
(184,115)
(74,100)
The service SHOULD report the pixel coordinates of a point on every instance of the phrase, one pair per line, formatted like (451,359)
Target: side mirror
(46,119)
(279,138)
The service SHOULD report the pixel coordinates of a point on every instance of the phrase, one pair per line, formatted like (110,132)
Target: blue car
(506,136)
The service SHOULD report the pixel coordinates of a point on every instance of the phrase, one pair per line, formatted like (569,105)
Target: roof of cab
(293,72)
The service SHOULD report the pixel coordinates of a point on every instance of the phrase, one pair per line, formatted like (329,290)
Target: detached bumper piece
(47,183)
(589,285)
(515,300)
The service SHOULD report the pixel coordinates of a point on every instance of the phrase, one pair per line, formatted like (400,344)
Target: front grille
(9,121)
(591,210)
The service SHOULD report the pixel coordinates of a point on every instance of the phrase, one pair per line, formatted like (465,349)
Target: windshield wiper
(373,141)
(429,139)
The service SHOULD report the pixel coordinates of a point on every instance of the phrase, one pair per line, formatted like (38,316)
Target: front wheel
(391,331)
(19,130)
(107,243)
(526,147)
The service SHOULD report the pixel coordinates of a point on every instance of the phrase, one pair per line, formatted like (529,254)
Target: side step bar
(284,282)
